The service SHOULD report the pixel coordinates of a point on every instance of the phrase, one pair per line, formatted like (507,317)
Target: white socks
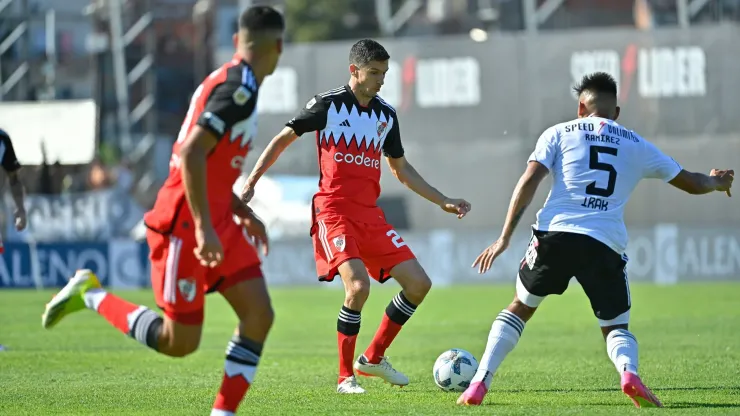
(504,335)
(93,298)
(621,346)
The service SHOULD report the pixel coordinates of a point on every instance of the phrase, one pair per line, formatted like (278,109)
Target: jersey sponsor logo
(381,127)
(215,122)
(187,288)
(311,103)
(339,243)
(360,160)
(241,95)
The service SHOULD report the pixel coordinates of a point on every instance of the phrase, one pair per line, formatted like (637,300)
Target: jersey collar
(354,99)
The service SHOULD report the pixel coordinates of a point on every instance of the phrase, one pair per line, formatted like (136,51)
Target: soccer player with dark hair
(12,168)
(196,245)
(351,236)
(596,164)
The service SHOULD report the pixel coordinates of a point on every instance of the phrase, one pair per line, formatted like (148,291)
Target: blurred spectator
(98,177)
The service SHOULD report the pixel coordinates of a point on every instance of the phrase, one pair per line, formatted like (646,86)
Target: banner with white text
(665,254)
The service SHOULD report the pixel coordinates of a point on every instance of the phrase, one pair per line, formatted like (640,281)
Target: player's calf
(251,302)
(356,291)
(138,322)
(415,284)
(505,333)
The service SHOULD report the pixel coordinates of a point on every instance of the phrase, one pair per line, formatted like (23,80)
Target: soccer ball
(454,370)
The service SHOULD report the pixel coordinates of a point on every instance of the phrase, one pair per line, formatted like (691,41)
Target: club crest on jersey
(187,288)
(381,127)
(531,255)
(339,243)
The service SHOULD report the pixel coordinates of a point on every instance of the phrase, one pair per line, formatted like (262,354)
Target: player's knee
(606,330)
(261,320)
(178,340)
(179,348)
(520,309)
(358,289)
(416,289)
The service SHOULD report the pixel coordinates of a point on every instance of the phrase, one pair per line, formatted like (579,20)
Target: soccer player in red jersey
(351,237)
(196,246)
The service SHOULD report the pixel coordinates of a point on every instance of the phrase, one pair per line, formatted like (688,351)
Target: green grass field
(689,349)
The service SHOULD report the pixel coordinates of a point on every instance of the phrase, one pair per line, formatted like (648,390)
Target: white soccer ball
(454,370)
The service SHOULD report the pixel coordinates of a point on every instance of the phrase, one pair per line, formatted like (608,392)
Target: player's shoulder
(4,134)
(335,95)
(235,73)
(383,104)
(323,100)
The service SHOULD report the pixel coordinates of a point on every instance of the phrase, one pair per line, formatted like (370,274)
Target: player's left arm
(409,176)
(12,166)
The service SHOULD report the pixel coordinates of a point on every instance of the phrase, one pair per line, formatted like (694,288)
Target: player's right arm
(539,165)
(660,166)
(696,183)
(226,105)
(311,118)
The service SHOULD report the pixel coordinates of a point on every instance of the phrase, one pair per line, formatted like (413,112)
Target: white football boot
(349,386)
(383,369)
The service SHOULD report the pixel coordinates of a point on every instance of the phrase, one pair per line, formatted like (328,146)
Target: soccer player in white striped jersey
(596,164)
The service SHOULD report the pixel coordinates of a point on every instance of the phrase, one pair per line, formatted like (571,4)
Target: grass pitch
(689,339)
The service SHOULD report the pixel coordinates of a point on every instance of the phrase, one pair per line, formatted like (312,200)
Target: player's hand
(487,257)
(257,232)
(247,193)
(456,206)
(20,219)
(208,251)
(724,178)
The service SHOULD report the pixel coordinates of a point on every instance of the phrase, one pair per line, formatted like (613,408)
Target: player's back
(596,164)
(223,104)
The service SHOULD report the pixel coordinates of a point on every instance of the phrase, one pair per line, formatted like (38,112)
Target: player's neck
(359,96)
(251,58)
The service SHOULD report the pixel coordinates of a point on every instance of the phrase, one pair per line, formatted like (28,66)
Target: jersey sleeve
(8,158)
(392,146)
(312,116)
(546,148)
(657,164)
(229,102)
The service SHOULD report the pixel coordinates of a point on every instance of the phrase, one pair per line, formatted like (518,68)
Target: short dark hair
(261,18)
(367,50)
(597,83)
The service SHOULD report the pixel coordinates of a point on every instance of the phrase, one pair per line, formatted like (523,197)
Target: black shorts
(553,258)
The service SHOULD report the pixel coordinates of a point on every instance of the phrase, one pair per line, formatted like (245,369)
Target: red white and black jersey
(8,159)
(350,140)
(224,104)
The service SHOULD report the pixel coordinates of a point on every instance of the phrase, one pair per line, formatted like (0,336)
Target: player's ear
(353,69)
(235,39)
(582,110)
(616,112)
(280,45)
